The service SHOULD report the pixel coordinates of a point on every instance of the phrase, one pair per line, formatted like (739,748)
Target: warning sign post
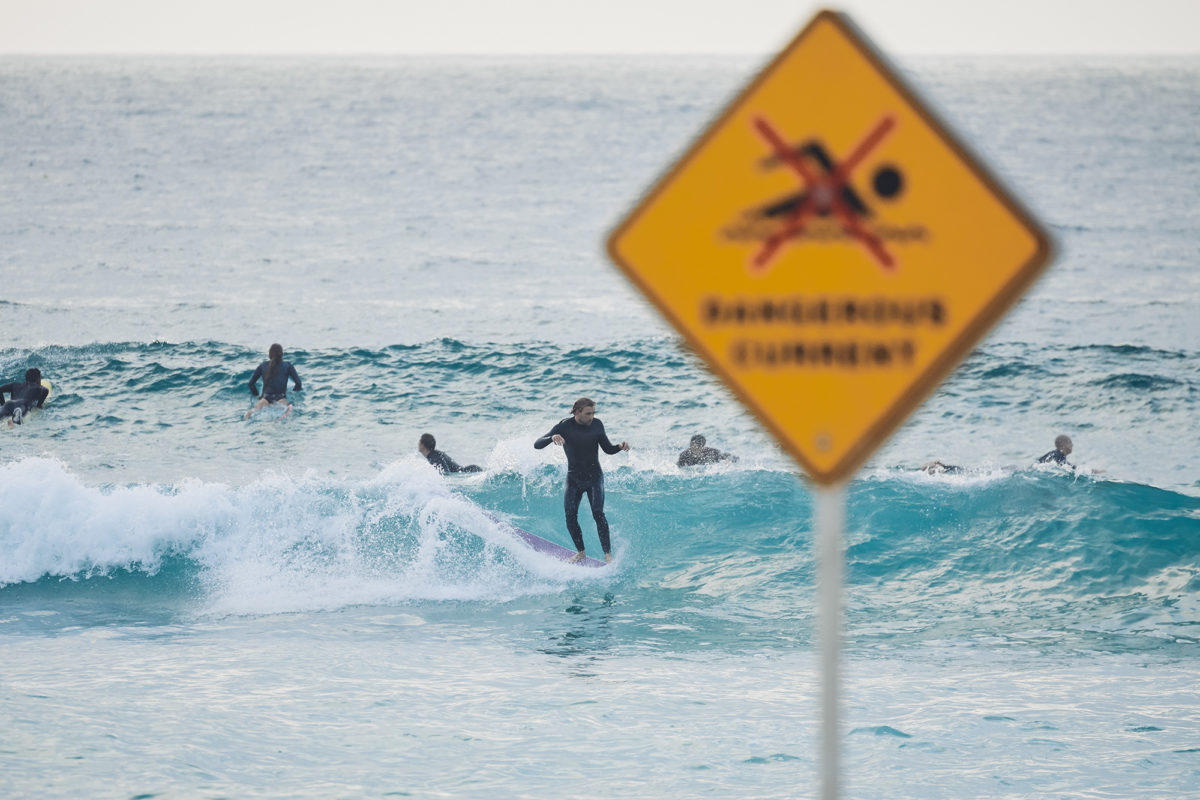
(833,252)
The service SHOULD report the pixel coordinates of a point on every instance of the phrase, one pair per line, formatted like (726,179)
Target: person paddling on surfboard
(581,435)
(23,396)
(1062,448)
(939,468)
(427,446)
(275,373)
(697,454)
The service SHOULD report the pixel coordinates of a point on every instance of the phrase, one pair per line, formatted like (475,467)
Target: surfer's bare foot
(608,558)
(580,556)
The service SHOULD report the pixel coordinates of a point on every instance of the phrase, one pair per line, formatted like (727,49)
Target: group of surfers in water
(1058,456)
(581,435)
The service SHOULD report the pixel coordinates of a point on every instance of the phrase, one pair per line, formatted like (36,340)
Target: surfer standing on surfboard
(581,435)
(23,396)
(275,373)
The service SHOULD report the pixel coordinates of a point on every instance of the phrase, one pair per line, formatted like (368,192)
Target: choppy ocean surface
(193,605)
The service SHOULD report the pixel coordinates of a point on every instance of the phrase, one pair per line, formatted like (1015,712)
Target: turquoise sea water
(192,605)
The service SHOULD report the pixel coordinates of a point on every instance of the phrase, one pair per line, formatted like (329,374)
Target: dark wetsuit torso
(707,455)
(1056,457)
(22,395)
(582,444)
(445,463)
(276,388)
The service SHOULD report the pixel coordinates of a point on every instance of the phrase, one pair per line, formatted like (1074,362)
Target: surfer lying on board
(427,446)
(938,468)
(581,435)
(1062,449)
(698,454)
(275,373)
(23,396)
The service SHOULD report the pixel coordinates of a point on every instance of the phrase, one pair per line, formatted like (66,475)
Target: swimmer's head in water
(428,442)
(1062,443)
(33,375)
(275,353)
(698,441)
(584,411)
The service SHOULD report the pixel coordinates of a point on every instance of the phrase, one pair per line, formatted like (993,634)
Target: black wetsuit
(707,455)
(445,463)
(584,476)
(1056,457)
(22,395)
(277,389)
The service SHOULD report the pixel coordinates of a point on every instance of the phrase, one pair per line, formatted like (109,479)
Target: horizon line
(580,54)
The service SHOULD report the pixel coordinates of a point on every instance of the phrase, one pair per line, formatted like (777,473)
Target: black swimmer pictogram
(827,193)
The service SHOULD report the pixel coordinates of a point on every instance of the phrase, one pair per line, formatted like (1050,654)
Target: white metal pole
(830,521)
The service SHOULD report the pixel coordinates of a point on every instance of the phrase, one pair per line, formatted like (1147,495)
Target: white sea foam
(52,524)
(280,544)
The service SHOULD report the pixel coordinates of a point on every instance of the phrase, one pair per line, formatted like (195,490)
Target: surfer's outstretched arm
(544,441)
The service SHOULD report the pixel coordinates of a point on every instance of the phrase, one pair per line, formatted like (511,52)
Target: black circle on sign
(888,182)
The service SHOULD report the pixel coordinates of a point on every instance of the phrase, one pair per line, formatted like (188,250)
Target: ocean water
(193,605)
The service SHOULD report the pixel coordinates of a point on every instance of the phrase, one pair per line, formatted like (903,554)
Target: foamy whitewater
(193,605)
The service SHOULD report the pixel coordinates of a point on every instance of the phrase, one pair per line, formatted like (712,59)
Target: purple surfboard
(546,546)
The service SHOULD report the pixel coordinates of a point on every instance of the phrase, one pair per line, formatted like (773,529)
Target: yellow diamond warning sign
(830,248)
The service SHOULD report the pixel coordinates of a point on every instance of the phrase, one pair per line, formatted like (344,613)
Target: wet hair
(1062,442)
(428,442)
(275,354)
(581,404)
(33,375)
(698,440)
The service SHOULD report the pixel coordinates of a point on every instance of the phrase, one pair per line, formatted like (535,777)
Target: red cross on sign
(823,194)
(830,248)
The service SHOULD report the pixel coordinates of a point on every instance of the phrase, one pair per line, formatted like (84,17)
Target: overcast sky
(588,26)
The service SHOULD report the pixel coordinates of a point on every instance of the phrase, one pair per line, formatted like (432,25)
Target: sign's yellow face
(830,249)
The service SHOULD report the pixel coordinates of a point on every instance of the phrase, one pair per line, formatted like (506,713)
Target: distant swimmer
(1062,449)
(275,373)
(581,435)
(698,454)
(427,446)
(938,468)
(23,396)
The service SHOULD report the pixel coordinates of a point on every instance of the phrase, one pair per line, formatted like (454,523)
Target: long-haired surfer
(582,436)
(274,373)
(23,396)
